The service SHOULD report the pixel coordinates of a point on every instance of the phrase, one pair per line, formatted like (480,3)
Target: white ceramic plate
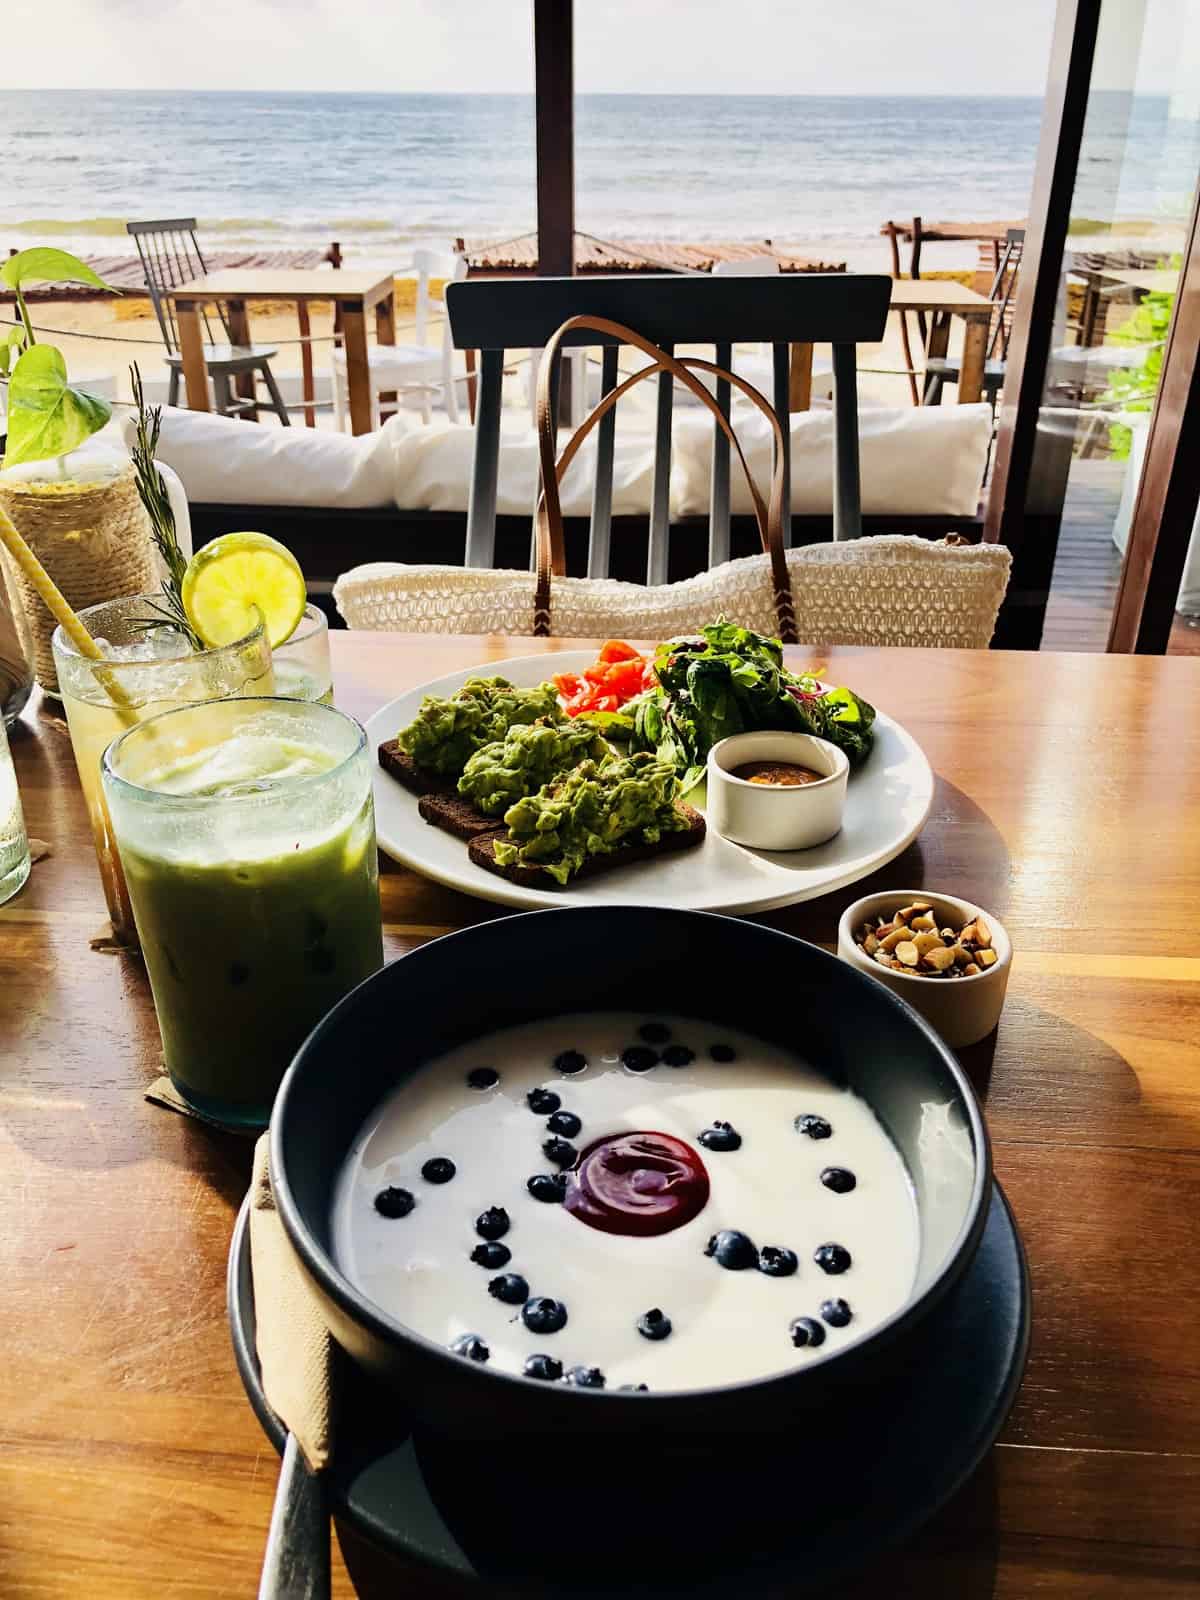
(887,803)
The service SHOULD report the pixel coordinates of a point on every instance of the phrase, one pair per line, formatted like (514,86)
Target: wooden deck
(1088,566)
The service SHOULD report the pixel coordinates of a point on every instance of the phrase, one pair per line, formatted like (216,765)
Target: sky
(882,47)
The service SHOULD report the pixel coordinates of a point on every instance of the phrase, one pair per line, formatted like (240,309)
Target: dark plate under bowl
(599,958)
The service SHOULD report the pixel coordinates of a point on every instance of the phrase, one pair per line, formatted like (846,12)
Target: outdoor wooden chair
(170,256)
(940,370)
(495,315)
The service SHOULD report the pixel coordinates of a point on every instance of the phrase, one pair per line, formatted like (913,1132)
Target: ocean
(378,172)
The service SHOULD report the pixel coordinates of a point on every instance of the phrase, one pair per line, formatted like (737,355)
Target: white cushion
(432,468)
(226,462)
(915,461)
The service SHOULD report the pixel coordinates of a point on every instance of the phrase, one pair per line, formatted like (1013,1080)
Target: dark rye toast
(455,815)
(481,849)
(417,780)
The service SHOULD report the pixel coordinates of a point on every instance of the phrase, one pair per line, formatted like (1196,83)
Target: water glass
(167,674)
(14,846)
(247,833)
(302,666)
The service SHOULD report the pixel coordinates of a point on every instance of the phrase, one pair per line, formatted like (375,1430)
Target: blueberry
(511,1288)
(678,1055)
(654,1324)
(439,1169)
(560,1152)
(654,1032)
(732,1249)
(836,1313)
(564,1122)
(777,1262)
(806,1331)
(570,1062)
(634,1388)
(721,1136)
(548,1187)
(585,1377)
(394,1202)
(839,1179)
(543,1315)
(492,1223)
(547,1368)
(239,973)
(471,1346)
(832,1258)
(639,1058)
(542,1102)
(814,1127)
(491,1255)
(482,1077)
(722,1053)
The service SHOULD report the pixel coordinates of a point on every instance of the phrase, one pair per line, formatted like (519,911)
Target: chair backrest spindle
(492,315)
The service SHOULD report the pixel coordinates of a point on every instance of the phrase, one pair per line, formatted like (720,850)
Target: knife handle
(296,1564)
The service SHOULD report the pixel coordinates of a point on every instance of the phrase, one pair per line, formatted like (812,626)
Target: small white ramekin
(963,1010)
(769,816)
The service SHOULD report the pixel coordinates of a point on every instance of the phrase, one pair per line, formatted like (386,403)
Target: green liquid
(246,956)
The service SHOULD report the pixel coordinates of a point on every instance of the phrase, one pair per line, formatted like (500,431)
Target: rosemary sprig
(152,492)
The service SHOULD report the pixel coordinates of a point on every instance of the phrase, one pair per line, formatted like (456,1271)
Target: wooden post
(554,80)
(554,91)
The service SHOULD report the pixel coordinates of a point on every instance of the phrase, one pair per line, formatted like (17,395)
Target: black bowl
(607,958)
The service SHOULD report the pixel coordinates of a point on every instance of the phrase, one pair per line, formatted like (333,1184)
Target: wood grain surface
(1068,802)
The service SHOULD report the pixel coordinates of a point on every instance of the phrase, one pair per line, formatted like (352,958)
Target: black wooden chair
(170,256)
(496,315)
(941,370)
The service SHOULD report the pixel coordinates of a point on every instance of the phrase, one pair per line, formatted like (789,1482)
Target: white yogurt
(726,1326)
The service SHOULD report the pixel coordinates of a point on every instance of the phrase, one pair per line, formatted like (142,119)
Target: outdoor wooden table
(354,295)
(941,299)
(1067,801)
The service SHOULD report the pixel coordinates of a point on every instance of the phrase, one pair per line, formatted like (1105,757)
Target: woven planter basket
(91,535)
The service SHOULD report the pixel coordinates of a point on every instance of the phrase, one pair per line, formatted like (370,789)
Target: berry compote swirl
(637,1183)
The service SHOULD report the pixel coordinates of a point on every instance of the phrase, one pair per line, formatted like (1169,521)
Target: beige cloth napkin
(295,1349)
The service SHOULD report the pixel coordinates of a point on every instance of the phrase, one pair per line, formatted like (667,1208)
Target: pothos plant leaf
(11,341)
(46,416)
(44,265)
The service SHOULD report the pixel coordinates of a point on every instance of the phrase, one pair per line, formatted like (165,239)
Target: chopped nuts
(912,942)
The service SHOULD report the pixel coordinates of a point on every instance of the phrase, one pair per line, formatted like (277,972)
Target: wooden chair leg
(281,411)
(173,387)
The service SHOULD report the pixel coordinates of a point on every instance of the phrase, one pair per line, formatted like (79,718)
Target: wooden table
(941,299)
(354,294)
(1068,800)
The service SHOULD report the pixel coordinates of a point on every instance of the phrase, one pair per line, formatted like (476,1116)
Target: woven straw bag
(888,590)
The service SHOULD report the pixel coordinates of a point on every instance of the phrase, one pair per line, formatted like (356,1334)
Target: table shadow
(955,1554)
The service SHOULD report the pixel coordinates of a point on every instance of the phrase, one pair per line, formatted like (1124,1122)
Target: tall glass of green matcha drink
(247,834)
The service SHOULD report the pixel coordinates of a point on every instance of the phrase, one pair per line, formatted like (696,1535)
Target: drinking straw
(56,603)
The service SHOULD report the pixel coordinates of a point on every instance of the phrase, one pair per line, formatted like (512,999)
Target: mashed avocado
(445,734)
(592,810)
(523,761)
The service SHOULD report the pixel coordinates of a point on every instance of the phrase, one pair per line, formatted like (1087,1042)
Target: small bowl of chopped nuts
(948,958)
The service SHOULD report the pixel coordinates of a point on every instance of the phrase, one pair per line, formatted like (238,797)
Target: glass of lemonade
(247,832)
(149,670)
(302,666)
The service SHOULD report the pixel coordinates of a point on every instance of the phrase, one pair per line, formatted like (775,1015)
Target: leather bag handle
(550,543)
